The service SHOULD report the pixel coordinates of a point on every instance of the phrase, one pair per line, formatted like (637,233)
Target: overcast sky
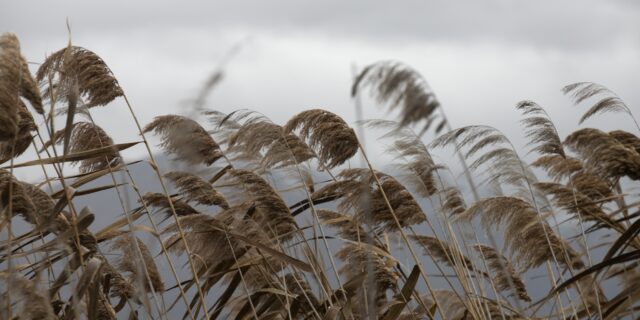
(480,57)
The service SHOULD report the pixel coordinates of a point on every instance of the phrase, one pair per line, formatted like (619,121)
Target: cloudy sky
(480,57)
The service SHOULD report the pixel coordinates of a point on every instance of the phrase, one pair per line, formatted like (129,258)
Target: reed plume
(627,139)
(14,196)
(195,189)
(505,277)
(367,200)
(347,227)
(540,130)
(506,164)
(576,202)
(395,83)
(529,239)
(15,82)
(334,141)
(443,251)
(604,155)
(117,286)
(87,136)
(22,140)
(160,201)
(453,204)
(558,167)
(204,237)
(272,213)
(416,158)
(78,74)
(450,303)
(132,262)
(280,149)
(185,139)
(358,259)
(32,302)
(581,91)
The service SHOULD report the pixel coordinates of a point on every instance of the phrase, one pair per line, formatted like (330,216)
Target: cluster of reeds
(276,222)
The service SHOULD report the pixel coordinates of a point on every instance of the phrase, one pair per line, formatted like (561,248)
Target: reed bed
(275,221)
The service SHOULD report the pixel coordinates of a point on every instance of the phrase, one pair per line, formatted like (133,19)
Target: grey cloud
(559,25)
